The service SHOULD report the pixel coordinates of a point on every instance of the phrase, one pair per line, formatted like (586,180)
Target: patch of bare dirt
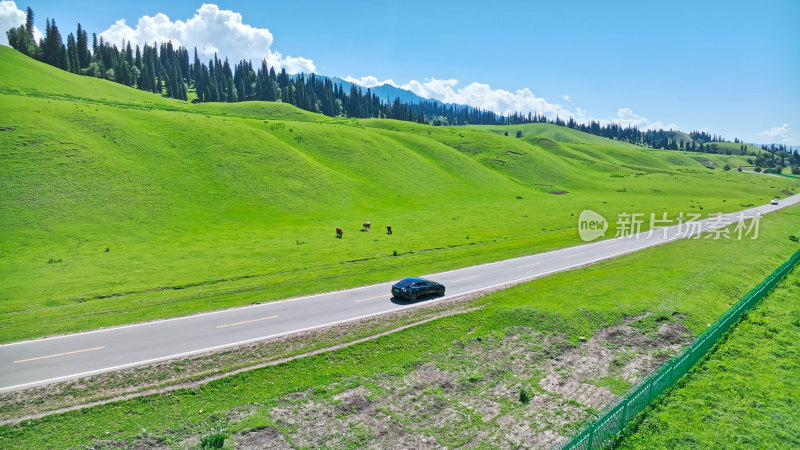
(240,412)
(266,438)
(428,375)
(345,420)
(517,430)
(144,441)
(674,333)
(355,400)
(621,352)
(485,408)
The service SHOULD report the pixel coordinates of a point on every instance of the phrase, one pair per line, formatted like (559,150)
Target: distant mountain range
(386,92)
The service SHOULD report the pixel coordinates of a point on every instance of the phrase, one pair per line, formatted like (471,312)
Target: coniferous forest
(166,70)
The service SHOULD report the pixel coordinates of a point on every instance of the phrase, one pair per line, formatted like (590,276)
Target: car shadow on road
(403,301)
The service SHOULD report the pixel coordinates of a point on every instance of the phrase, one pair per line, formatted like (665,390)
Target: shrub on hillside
(213,441)
(524,396)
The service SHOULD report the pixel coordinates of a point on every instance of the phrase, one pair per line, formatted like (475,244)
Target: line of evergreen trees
(163,70)
(166,70)
(218,82)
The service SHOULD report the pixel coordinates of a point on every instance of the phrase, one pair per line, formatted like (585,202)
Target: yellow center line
(246,321)
(528,265)
(368,299)
(465,279)
(576,254)
(58,354)
(612,246)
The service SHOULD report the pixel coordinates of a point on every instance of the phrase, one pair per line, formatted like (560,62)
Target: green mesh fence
(612,420)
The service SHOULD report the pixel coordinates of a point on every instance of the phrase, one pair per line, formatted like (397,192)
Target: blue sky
(730,67)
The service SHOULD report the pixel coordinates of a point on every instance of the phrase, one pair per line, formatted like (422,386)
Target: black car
(412,288)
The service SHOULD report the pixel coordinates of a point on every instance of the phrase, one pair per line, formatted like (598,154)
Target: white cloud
(12,17)
(481,95)
(369,81)
(778,133)
(566,98)
(211,30)
(627,118)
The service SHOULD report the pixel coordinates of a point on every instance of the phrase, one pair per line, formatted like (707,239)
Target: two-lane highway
(42,361)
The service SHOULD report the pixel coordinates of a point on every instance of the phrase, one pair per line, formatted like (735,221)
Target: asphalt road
(49,360)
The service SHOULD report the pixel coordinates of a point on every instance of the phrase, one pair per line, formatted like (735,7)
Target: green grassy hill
(546,130)
(120,205)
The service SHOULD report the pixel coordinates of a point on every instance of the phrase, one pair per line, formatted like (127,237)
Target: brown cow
(388,229)
(338,232)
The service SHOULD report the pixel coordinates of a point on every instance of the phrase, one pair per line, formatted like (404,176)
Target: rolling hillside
(119,205)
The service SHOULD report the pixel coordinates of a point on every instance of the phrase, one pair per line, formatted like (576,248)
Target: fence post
(624,413)
(591,436)
(669,375)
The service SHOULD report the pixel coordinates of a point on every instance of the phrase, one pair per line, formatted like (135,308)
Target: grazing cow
(388,229)
(338,232)
(367,226)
